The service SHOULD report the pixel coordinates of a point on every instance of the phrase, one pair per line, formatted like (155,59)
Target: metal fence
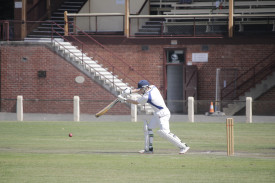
(199,25)
(188,26)
(212,25)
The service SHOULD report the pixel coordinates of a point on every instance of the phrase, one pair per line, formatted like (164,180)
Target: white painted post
(249,109)
(76,108)
(19,108)
(133,112)
(191,109)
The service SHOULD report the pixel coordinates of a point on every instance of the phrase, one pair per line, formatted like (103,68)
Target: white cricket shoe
(183,151)
(146,152)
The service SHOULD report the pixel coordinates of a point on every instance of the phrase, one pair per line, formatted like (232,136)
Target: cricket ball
(70,134)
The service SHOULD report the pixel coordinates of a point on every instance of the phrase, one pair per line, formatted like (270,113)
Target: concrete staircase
(150,28)
(91,68)
(44,30)
(255,93)
(153,27)
(157,7)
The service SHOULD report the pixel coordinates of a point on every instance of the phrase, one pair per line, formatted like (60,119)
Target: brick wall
(151,64)
(19,76)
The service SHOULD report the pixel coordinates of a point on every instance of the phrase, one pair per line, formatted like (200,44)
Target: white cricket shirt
(155,99)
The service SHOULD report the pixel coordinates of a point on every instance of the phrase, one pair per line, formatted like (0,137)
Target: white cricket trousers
(160,122)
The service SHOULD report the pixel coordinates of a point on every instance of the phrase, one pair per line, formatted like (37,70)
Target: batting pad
(172,138)
(146,136)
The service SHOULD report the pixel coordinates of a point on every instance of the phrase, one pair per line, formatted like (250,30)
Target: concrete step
(147,33)
(73,3)
(54,26)
(69,47)
(100,74)
(255,92)
(153,23)
(70,6)
(75,51)
(65,43)
(96,66)
(100,70)
(91,62)
(57,21)
(120,84)
(79,54)
(48,32)
(110,80)
(151,26)
(28,39)
(42,36)
(68,10)
(150,30)
(111,76)
(49,28)
(80,59)
(85,59)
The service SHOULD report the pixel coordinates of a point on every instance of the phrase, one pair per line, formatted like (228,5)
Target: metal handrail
(83,62)
(255,78)
(111,52)
(142,7)
(85,46)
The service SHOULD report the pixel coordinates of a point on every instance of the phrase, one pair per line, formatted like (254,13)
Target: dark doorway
(175,88)
(6,10)
(180,80)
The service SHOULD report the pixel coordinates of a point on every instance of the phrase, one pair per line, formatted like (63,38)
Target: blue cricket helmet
(143,83)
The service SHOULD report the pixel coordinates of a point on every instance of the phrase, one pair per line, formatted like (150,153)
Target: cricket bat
(107,108)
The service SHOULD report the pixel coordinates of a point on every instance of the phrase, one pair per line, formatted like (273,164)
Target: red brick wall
(150,63)
(19,77)
(56,91)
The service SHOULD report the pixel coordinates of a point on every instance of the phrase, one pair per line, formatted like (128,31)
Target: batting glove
(126,91)
(121,99)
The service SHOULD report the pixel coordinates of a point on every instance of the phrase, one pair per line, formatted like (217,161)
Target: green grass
(107,152)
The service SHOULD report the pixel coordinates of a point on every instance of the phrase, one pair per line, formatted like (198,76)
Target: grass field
(107,152)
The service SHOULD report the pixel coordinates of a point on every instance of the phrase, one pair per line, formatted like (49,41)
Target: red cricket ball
(70,134)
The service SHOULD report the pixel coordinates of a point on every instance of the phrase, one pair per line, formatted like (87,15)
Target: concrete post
(76,108)
(191,109)
(66,26)
(249,109)
(24,19)
(126,21)
(19,108)
(133,112)
(231,18)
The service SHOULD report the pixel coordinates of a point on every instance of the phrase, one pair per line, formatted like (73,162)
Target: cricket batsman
(151,95)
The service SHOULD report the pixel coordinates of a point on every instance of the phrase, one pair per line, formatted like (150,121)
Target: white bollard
(19,108)
(133,112)
(76,108)
(249,109)
(191,109)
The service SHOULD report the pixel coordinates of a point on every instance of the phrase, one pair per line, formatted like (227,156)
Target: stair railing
(86,65)
(127,74)
(141,8)
(249,78)
(82,45)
